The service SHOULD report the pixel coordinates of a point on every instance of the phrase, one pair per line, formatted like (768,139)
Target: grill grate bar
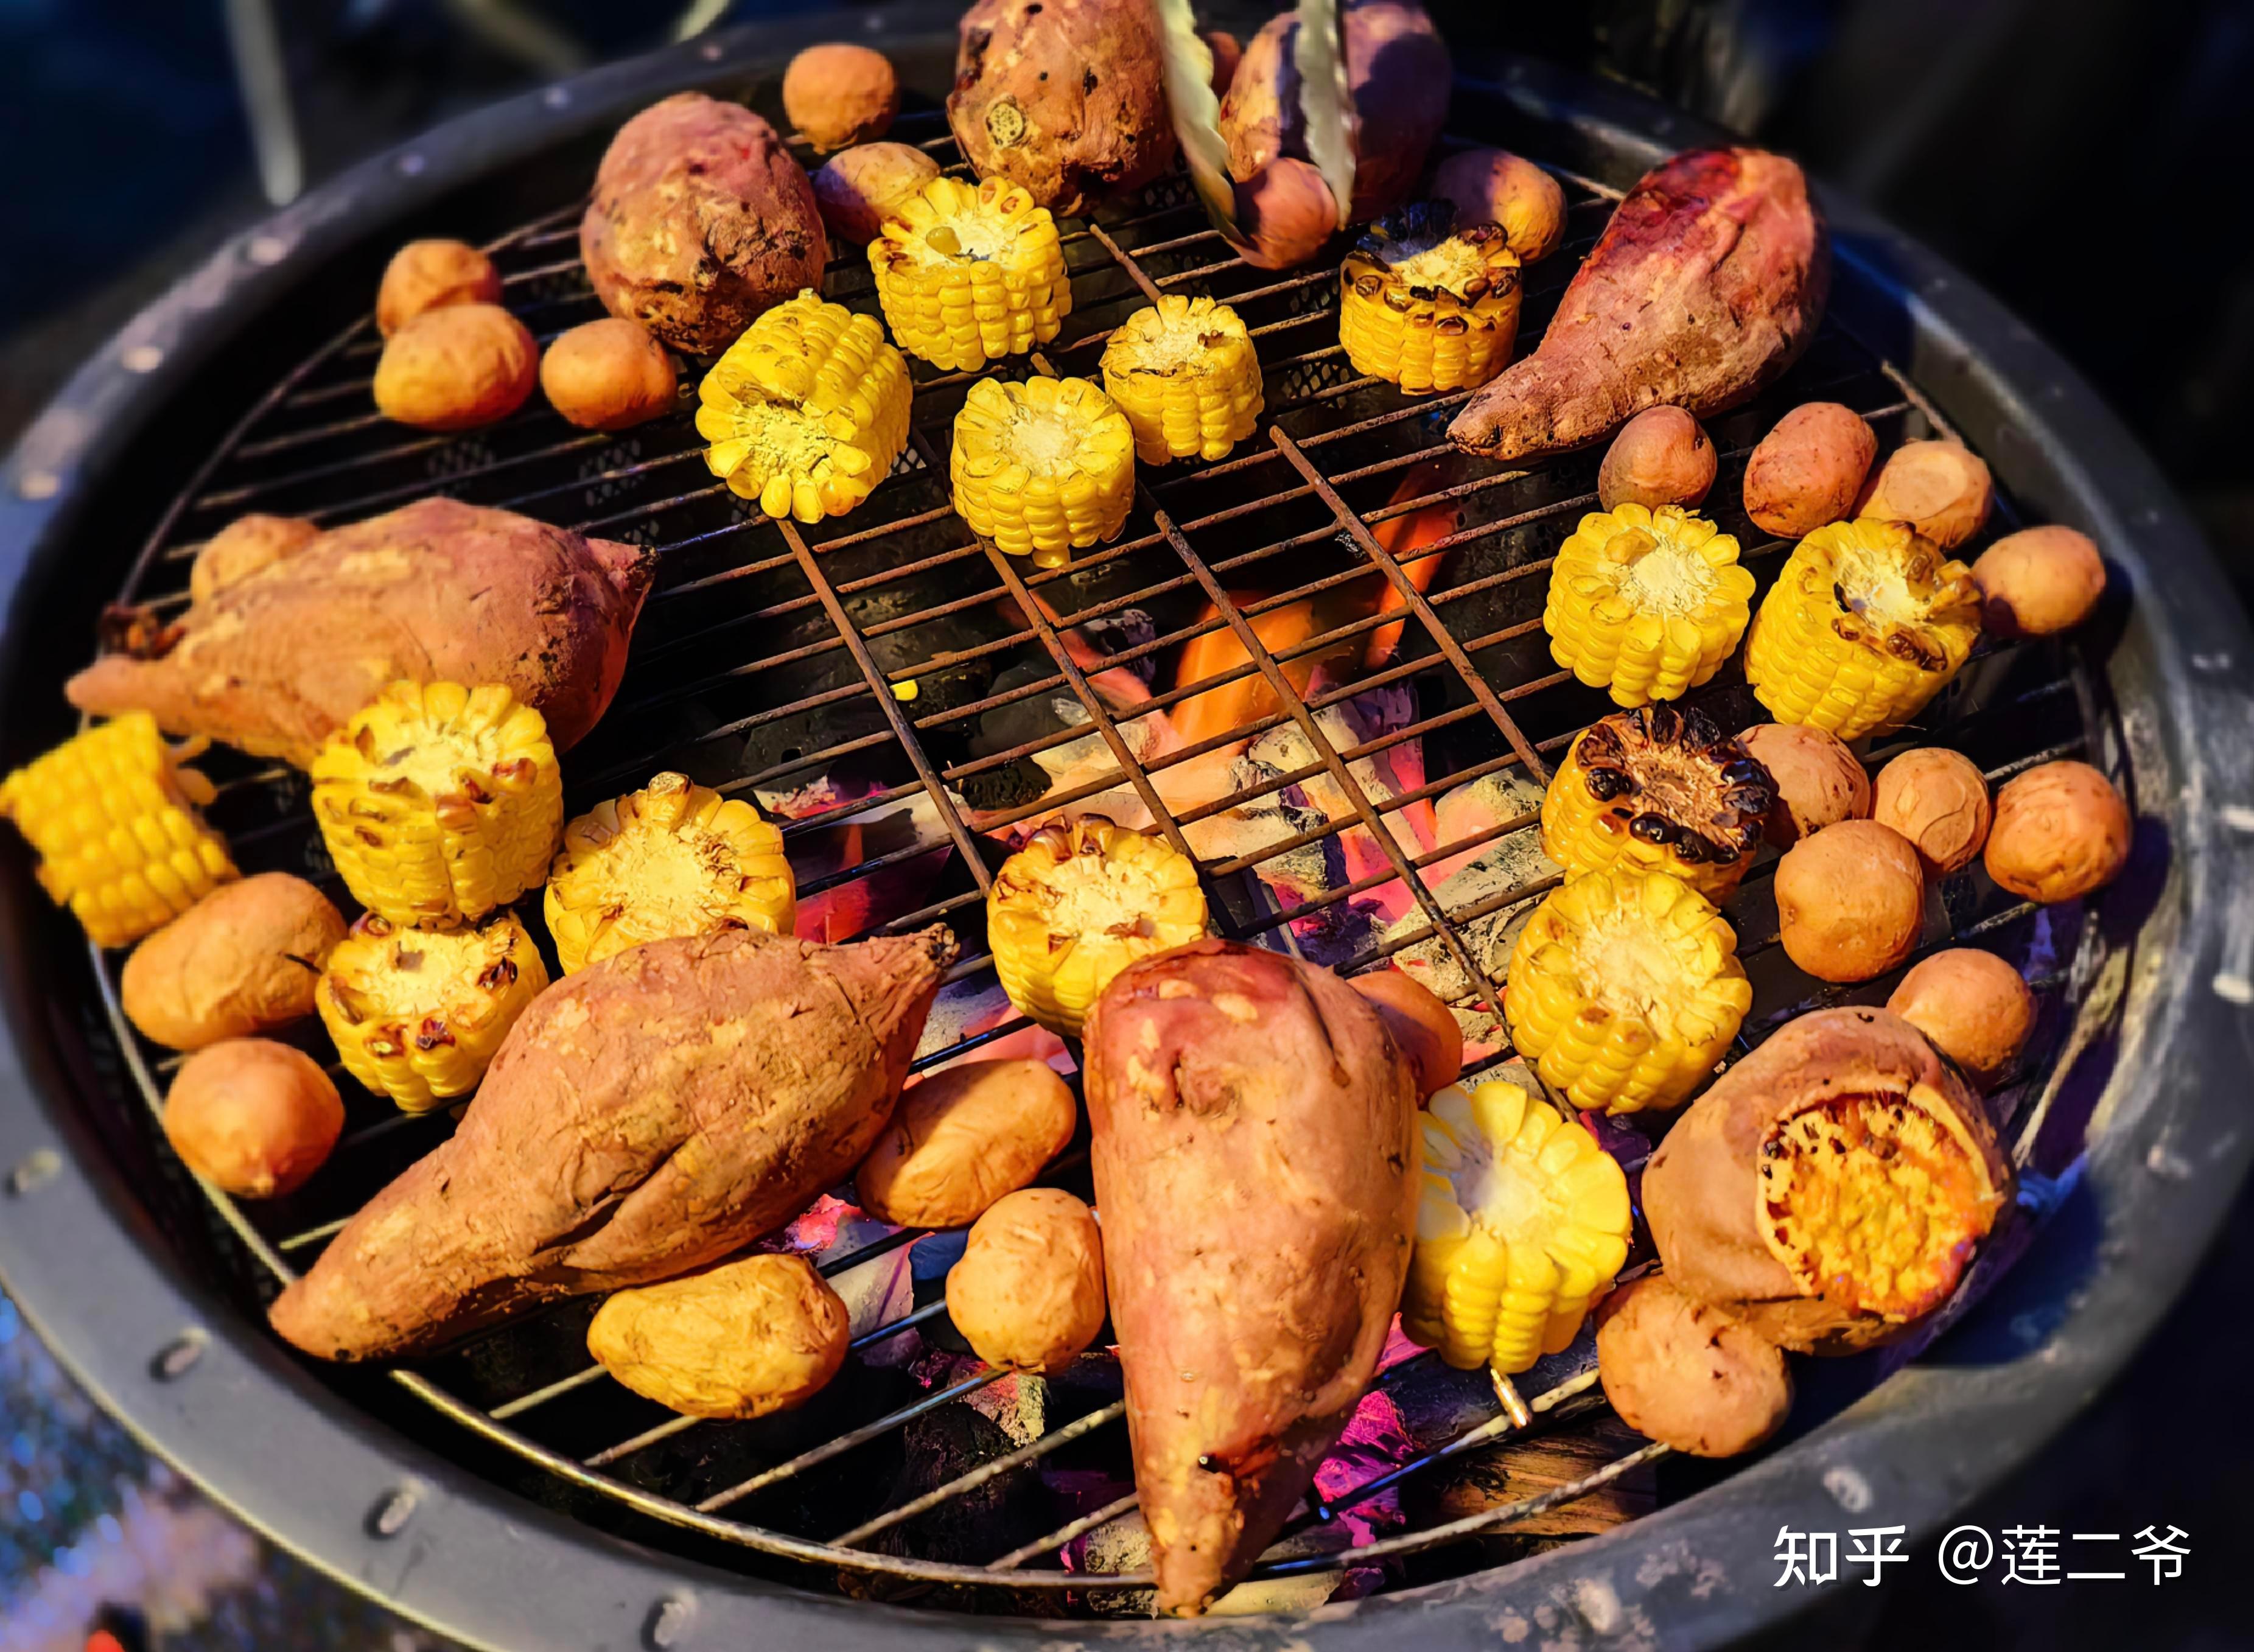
(847,1441)
(983,1473)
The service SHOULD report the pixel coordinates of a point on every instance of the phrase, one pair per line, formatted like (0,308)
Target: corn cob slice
(111,813)
(1656,789)
(969,275)
(1625,990)
(1522,1222)
(419,1014)
(439,803)
(1186,374)
(674,859)
(806,411)
(1078,904)
(1427,306)
(1646,603)
(1042,468)
(1865,624)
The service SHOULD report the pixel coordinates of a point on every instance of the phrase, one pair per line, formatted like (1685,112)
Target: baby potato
(455,369)
(1819,782)
(1495,187)
(1661,456)
(1227,52)
(244,959)
(839,93)
(429,274)
(1850,900)
(1424,1027)
(1028,1294)
(1941,489)
(1807,472)
(244,546)
(1287,214)
(253,1117)
(2060,831)
(964,1137)
(742,1339)
(1688,1375)
(1938,800)
(856,189)
(2038,581)
(608,374)
(1974,1007)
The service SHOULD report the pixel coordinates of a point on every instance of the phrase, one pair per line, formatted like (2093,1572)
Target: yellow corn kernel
(674,859)
(1521,1223)
(1042,468)
(111,813)
(1078,904)
(419,1014)
(1625,990)
(1427,306)
(806,411)
(967,276)
(1184,373)
(439,803)
(1646,603)
(1865,624)
(1656,789)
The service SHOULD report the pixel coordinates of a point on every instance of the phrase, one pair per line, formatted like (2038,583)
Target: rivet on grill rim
(141,358)
(667,1619)
(266,249)
(556,97)
(394,1510)
(411,164)
(2238,816)
(712,51)
(36,1170)
(38,484)
(2234,987)
(179,1356)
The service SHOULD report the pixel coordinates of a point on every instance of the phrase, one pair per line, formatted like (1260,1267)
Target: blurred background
(2082,158)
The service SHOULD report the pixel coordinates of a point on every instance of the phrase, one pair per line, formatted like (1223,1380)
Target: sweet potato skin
(1684,1372)
(435,591)
(244,959)
(1807,471)
(1255,1166)
(244,546)
(646,1115)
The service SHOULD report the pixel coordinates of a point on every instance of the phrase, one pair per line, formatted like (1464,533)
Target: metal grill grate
(885,653)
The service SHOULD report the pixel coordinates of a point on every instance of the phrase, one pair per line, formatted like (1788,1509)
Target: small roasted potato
(858,188)
(1286,213)
(745,1339)
(455,368)
(2060,831)
(253,1117)
(2038,581)
(1661,456)
(1819,782)
(243,547)
(1227,51)
(1421,1025)
(962,1138)
(1941,489)
(1807,471)
(1937,799)
(244,959)
(1028,1293)
(607,375)
(838,93)
(1850,900)
(1686,1374)
(1495,187)
(1974,1007)
(430,275)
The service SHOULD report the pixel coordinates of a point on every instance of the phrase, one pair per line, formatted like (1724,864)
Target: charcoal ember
(1494,872)
(1035,716)
(1479,1481)
(1124,1545)
(1012,785)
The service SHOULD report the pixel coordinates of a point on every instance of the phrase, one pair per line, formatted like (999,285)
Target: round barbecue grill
(889,687)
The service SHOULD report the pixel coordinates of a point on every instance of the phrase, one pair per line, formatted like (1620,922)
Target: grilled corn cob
(1186,374)
(674,859)
(1865,624)
(439,803)
(1646,603)
(1044,467)
(1521,1223)
(1625,990)
(806,411)
(112,815)
(1427,306)
(968,276)
(1656,789)
(1078,904)
(418,1014)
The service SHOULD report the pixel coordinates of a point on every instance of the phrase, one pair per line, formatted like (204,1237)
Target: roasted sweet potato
(1421,1025)
(244,546)
(839,92)
(435,591)
(244,959)
(1684,1372)
(646,1115)
(1941,489)
(747,1339)
(1850,900)
(1938,800)
(1809,470)
(457,368)
(430,275)
(963,1138)
(2038,581)
(1495,187)
(2060,831)
(1818,781)
(858,188)
(1256,1163)
(1661,456)
(1028,1293)
(1973,1006)
(607,375)
(253,1117)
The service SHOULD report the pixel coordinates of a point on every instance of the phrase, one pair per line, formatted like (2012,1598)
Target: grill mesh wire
(764,660)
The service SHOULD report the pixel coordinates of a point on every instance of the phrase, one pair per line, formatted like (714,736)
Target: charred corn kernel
(1078,904)
(439,803)
(967,276)
(674,859)
(1865,624)
(1427,306)
(1625,990)
(1522,1221)
(111,813)
(1042,468)
(806,411)
(419,1014)
(1646,603)
(1656,789)
(1186,374)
